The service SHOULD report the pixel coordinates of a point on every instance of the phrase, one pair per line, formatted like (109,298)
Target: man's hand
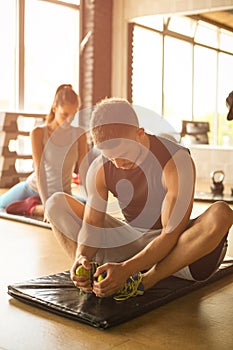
(81,282)
(114,279)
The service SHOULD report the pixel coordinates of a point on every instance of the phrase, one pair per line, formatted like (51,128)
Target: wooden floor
(201,320)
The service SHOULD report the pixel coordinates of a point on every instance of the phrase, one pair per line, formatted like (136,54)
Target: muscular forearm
(154,252)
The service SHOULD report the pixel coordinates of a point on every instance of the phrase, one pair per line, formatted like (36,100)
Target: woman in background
(57,147)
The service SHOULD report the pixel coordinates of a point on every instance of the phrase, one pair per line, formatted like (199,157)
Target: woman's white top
(58,161)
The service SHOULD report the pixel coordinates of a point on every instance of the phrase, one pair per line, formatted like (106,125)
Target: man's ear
(140,132)
(54,108)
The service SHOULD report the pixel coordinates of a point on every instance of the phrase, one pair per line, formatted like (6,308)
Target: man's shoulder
(96,164)
(166,142)
(95,175)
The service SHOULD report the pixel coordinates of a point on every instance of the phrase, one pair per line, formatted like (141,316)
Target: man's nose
(118,162)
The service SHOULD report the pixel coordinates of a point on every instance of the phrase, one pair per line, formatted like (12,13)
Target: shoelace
(130,288)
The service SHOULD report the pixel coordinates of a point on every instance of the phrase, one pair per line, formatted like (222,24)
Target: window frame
(169,33)
(20,58)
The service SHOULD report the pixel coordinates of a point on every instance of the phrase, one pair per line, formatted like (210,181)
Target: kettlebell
(217,186)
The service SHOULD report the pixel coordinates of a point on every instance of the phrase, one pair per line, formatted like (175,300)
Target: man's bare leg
(70,213)
(205,234)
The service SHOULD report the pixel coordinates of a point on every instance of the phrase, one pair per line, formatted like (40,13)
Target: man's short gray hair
(113,111)
(112,118)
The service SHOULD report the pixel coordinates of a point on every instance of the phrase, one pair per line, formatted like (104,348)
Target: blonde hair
(64,95)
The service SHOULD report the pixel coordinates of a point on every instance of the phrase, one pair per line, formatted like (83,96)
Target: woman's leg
(18,192)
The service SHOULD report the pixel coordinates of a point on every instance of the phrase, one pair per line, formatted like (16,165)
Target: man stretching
(153,179)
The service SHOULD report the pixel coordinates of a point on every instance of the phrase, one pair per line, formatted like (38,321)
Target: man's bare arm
(94,216)
(179,180)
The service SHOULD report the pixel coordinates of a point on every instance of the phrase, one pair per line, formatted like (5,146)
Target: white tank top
(59,159)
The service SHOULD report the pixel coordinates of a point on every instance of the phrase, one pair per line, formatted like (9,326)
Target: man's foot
(133,287)
(81,271)
(24,207)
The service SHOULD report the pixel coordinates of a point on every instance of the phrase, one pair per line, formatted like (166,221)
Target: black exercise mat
(25,219)
(210,197)
(56,293)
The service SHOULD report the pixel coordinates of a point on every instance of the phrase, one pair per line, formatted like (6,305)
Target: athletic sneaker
(24,207)
(133,287)
(81,271)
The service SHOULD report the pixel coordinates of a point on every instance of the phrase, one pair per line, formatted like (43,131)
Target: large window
(39,51)
(147,64)
(177,80)
(190,62)
(205,87)
(7,54)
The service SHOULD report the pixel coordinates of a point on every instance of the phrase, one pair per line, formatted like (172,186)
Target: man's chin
(128,166)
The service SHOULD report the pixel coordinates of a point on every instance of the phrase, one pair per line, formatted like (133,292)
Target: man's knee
(61,215)
(53,204)
(222,212)
(219,218)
